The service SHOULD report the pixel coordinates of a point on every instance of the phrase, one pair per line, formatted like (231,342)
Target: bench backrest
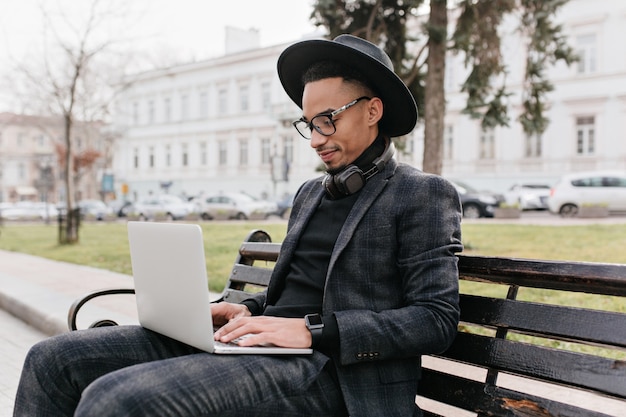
(501,334)
(252,268)
(506,335)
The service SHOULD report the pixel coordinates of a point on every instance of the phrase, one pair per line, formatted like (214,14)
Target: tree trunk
(68,231)
(435,106)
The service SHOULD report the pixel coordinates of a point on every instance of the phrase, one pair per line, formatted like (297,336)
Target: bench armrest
(77,305)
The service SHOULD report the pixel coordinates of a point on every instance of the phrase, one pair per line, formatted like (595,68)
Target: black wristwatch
(315,325)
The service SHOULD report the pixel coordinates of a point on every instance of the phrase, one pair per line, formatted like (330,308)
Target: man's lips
(327,155)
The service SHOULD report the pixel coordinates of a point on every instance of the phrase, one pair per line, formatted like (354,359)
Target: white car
(166,205)
(528,196)
(94,209)
(234,206)
(606,188)
(28,210)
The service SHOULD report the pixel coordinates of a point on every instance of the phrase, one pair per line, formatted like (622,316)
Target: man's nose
(317,139)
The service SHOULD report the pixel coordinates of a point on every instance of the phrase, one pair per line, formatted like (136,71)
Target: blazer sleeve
(400,271)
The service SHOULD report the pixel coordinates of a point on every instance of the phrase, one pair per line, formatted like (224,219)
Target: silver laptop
(171,285)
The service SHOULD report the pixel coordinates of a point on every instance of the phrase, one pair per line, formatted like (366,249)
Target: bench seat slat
(575,369)
(259,251)
(565,323)
(594,278)
(245,274)
(492,400)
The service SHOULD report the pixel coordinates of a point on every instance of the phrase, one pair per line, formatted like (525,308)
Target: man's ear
(375,108)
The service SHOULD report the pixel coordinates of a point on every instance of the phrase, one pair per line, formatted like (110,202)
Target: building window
(586,50)
(136,158)
(135,113)
(167,110)
(204,105)
(265,152)
(266,96)
(151,111)
(222,100)
(532,148)
(448,142)
(222,152)
(184,107)
(244,98)
(243,152)
(585,135)
(449,78)
(487,144)
(185,155)
(151,157)
(288,149)
(168,155)
(203,154)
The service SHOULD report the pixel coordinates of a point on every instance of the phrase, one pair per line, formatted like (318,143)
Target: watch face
(314,319)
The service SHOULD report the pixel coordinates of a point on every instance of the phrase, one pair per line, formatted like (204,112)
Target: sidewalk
(35,296)
(36,293)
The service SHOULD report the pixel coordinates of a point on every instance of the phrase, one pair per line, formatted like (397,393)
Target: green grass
(591,243)
(105,245)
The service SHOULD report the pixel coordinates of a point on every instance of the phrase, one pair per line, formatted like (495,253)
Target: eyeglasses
(323,123)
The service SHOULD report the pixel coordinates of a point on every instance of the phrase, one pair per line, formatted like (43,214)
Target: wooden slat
(235,296)
(257,251)
(244,274)
(490,400)
(594,278)
(564,323)
(580,370)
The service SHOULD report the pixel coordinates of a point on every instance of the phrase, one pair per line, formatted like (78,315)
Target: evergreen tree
(419,56)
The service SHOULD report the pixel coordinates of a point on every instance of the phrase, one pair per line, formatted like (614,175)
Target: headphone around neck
(351,179)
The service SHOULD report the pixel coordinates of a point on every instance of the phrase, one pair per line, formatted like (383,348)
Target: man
(367,276)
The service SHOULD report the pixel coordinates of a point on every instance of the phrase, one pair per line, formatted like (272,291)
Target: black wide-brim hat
(400,110)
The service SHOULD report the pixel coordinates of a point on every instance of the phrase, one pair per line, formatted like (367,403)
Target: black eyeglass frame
(310,125)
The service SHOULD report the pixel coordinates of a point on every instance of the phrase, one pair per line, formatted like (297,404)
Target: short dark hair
(330,69)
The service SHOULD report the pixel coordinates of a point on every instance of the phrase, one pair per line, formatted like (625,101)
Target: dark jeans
(131,371)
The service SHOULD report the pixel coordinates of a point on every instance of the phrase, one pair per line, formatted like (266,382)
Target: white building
(212,126)
(587,109)
(225,124)
(31,166)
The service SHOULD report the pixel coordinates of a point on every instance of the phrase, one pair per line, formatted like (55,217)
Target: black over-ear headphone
(351,179)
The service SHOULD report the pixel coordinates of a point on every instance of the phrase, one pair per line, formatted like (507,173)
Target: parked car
(234,206)
(121,208)
(528,196)
(169,206)
(605,188)
(94,209)
(28,210)
(476,203)
(283,205)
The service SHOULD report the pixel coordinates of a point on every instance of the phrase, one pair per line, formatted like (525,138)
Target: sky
(162,30)
(194,26)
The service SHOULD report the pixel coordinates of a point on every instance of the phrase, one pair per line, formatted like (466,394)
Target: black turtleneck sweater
(303,289)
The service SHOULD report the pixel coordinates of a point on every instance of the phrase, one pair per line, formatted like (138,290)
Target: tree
(475,35)
(72,81)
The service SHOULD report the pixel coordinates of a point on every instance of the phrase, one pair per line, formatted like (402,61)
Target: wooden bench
(511,357)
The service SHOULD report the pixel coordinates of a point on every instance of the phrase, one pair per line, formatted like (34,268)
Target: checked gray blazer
(392,283)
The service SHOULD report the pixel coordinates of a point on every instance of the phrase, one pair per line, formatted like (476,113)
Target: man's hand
(266,330)
(224,312)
